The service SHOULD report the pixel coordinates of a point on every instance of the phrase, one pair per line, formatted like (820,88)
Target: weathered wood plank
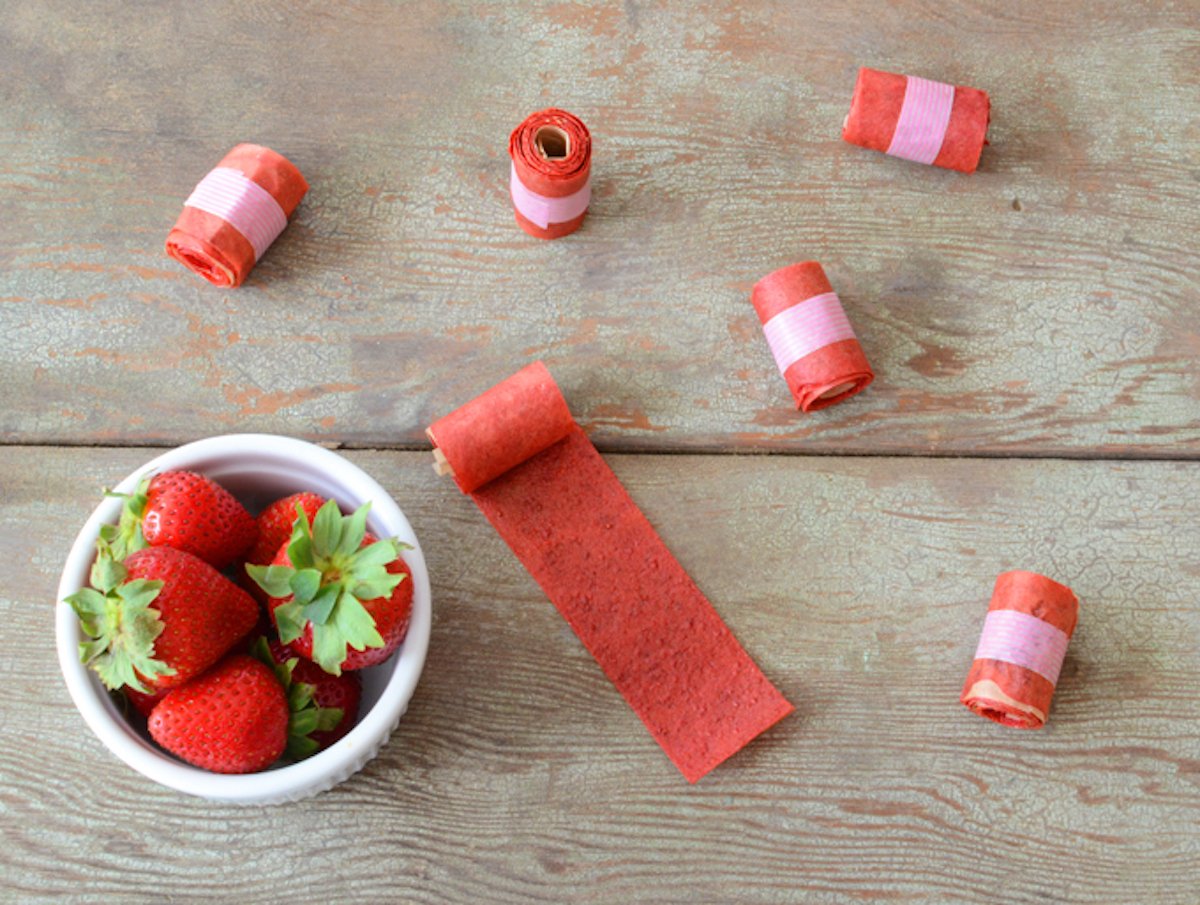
(519,775)
(1047,304)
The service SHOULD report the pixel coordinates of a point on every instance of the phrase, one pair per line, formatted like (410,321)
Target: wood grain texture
(1047,304)
(519,775)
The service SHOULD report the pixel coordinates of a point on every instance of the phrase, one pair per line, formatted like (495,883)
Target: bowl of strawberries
(244,618)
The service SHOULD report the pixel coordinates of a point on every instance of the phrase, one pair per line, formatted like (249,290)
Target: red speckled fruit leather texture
(568,519)
(875,110)
(216,250)
(1025,592)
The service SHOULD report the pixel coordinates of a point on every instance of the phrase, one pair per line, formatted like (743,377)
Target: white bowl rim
(296,780)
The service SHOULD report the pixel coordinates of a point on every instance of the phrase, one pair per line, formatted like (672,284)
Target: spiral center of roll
(552,142)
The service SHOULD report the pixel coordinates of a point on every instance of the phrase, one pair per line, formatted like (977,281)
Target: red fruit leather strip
(827,375)
(551,176)
(1005,692)
(875,111)
(568,519)
(215,249)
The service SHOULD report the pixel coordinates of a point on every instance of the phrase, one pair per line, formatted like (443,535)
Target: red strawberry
(160,618)
(274,529)
(233,719)
(323,707)
(186,511)
(339,596)
(143,703)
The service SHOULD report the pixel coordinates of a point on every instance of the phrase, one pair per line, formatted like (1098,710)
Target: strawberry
(338,595)
(186,511)
(323,707)
(143,703)
(232,719)
(160,618)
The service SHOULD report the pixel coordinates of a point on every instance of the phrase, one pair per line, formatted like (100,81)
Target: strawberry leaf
(380,553)
(274,580)
(329,648)
(354,529)
(355,624)
(127,536)
(328,718)
(326,530)
(378,587)
(305,584)
(318,611)
(289,620)
(106,572)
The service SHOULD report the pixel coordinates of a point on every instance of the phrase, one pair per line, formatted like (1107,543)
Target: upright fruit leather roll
(918,119)
(810,337)
(1015,670)
(235,213)
(549,181)
(571,523)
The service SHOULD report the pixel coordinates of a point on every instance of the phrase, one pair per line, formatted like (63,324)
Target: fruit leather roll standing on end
(813,343)
(549,180)
(548,493)
(235,213)
(918,119)
(1021,649)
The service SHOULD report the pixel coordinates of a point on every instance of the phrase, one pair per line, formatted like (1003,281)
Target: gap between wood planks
(1070,455)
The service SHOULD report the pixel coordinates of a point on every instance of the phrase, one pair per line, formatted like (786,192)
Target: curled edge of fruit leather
(1015,669)
(878,103)
(551,153)
(502,427)
(218,250)
(817,353)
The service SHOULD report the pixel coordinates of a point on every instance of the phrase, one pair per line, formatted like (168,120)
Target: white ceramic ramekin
(257,468)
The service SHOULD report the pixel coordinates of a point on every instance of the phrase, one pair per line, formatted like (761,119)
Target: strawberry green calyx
(330,575)
(119,623)
(305,716)
(126,536)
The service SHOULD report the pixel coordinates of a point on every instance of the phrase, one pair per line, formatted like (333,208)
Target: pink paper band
(542,210)
(924,117)
(1023,640)
(802,329)
(243,204)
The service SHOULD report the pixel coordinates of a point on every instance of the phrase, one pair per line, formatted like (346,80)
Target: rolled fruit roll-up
(810,336)
(918,119)
(1021,649)
(550,175)
(235,213)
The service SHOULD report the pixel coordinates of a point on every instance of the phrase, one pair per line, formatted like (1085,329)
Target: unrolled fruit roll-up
(501,428)
(918,119)
(559,507)
(810,336)
(1021,649)
(549,178)
(235,213)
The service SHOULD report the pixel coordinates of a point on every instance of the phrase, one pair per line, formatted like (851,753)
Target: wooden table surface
(1034,329)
